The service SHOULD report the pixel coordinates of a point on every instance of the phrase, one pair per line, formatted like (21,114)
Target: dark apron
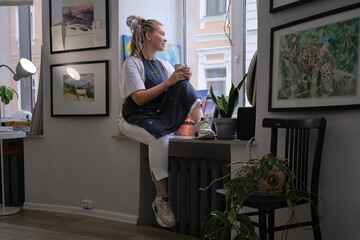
(166,113)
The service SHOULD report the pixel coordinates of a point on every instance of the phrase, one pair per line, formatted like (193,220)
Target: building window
(216,78)
(215,73)
(215,7)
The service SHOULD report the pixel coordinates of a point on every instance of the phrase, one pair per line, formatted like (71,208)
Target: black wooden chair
(302,145)
(298,135)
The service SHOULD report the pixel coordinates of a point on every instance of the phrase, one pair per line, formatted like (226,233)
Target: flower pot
(272,185)
(225,128)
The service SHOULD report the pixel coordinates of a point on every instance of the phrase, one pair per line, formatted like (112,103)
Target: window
(216,77)
(215,7)
(209,52)
(15,43)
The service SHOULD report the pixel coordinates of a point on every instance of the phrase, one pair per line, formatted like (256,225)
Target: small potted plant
(225,126)
(7,94)
(267,176)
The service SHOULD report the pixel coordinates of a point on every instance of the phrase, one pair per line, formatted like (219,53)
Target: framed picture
(80,89)
(278,5)
(315,62)
(78,25)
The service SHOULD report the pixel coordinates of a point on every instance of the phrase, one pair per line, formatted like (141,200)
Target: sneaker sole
(208,135)
(159,220)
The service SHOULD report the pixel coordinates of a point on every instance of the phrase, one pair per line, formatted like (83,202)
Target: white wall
(77,158)
(339,177)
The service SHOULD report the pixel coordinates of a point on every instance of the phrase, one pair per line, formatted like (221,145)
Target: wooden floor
(42,225)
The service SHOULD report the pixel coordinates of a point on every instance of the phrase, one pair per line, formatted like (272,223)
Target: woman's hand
(179,74)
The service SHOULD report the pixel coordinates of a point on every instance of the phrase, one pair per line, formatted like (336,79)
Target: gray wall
(339,177)
(77,158)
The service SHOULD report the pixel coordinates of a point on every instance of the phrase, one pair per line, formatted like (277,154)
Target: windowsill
(34,136)
(189,139)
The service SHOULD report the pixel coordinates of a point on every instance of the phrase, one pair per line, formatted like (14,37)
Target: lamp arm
(3,65)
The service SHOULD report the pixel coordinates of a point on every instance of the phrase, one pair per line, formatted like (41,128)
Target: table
(5,211)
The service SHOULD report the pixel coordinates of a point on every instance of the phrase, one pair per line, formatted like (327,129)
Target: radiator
(192,206)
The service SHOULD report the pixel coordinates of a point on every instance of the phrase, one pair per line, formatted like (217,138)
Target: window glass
(10,52)
(215,73)
(215,7)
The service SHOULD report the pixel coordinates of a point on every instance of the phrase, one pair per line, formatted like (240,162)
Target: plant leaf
(241,83)
(242,182)
(231,215)
(233,101)
(7,94)
(214,98)
(290,204)
(224,106)
(247,222)
(222,218)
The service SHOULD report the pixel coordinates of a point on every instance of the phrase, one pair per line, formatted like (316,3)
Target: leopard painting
(314,65)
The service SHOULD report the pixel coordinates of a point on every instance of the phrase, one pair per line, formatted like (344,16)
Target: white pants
(158,148)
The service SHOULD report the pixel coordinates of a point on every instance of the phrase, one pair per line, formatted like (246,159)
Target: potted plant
(268,175)
(7,94)
(225,126)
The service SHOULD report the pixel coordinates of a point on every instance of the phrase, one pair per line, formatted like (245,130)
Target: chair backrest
(299,134)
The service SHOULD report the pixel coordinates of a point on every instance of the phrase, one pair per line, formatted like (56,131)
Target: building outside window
(13,21)
(209,52)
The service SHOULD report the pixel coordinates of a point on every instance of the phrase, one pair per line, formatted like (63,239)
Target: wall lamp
(24,68)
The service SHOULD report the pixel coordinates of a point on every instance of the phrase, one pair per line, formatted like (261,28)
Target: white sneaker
(202,130)
(163,213)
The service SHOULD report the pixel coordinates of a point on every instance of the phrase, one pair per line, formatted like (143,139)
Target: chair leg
(315,224)
(262,224)
(271,223)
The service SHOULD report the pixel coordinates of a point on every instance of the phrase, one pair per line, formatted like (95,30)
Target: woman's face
(157,39)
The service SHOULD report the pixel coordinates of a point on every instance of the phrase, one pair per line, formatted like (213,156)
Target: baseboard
(122,217)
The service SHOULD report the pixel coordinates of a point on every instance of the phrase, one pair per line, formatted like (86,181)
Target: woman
(157,100)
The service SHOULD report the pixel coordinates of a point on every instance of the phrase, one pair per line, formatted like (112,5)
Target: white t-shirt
(132,76)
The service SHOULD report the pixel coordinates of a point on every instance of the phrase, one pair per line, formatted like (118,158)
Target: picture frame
(314,62)
(80,89)
(78,25)
(279,5)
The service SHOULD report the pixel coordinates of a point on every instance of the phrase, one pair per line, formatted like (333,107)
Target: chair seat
(265,203)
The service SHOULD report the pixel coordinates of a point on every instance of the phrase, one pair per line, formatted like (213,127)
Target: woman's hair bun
(131,21)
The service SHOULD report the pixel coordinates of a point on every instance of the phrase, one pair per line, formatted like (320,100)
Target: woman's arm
(143,96)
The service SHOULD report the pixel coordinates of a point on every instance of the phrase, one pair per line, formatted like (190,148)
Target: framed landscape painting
(78,25)
(278,5)
(80,89)
(315,62)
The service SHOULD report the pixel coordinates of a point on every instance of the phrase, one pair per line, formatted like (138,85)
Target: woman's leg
(158,161)
(202,128)
(158,151)
(196,113)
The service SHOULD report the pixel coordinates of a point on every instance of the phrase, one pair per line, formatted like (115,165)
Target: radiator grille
(192,206)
